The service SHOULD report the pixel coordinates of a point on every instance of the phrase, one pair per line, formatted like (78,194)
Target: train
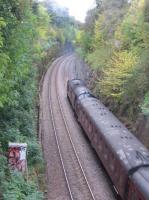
(124,157)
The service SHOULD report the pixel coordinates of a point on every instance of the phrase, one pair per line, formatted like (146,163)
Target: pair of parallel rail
(58,104)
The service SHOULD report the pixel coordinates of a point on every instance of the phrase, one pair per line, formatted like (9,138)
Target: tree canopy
(117,47)
(31,34)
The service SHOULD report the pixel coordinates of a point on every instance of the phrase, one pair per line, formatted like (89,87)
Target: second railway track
(76,180)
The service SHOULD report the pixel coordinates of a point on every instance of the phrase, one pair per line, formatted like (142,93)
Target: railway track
(76,180)
(64,145)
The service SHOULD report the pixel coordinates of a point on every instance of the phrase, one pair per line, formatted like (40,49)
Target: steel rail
(56,138)
(71,141)
(55,67)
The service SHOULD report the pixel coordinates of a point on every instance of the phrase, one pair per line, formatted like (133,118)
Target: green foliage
(69,33)
(119,50)
(18,189)
(98,40)
(3,170)
(34,154)
(118,70)
(3,176)
(98,59)
(130,31)
(31,34)
(80,52)
(84,40)
(145,105)
(137,86)
(146,11)
(18,36)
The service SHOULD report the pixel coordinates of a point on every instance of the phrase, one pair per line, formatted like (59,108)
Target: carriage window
(105,152)
(78,108)
(95,138)
(86,122)
(100,147)
(112,162)
(83,117)
(80,114)
(90,127)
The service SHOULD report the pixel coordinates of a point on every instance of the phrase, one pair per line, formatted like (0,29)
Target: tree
(146,11)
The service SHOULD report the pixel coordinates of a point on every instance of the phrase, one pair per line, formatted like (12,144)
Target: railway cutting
(72,168)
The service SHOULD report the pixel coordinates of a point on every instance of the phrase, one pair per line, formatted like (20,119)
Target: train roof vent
(127,137)
(116,126)
(95,104)
(101,108)
(102,114)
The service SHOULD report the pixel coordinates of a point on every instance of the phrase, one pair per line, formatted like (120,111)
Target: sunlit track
(55,102)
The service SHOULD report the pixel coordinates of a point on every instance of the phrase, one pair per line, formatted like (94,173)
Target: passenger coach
(124,157)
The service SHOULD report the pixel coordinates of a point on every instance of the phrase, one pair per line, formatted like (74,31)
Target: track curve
(67,176)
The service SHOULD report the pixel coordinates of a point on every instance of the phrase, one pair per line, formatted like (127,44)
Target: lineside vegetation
(115,43)
(31,35)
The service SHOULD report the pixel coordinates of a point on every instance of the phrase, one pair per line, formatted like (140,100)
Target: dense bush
(17,188)
(18,84)
(119,50)
(30,36)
